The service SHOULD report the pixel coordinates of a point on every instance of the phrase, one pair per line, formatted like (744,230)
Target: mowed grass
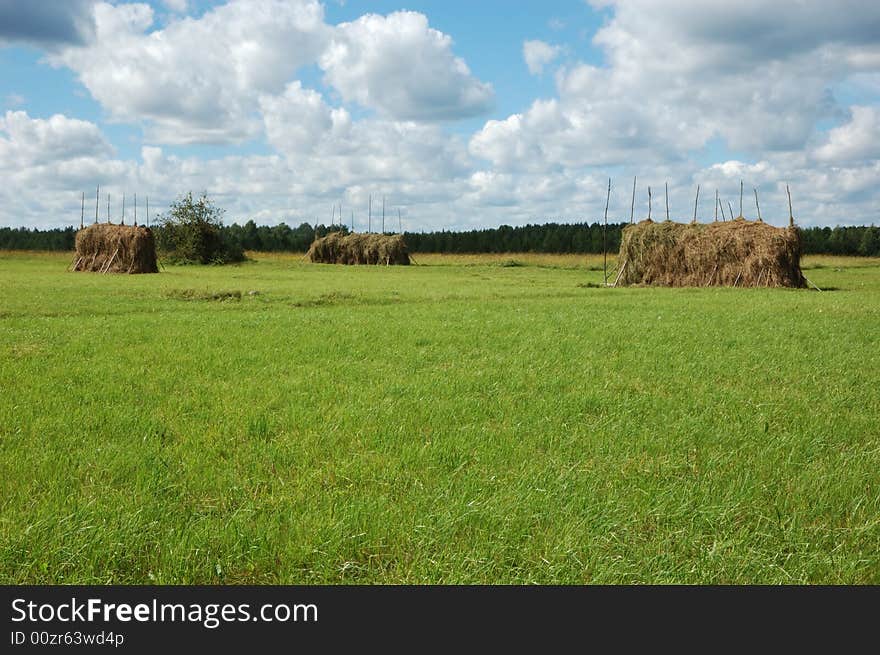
(467,420)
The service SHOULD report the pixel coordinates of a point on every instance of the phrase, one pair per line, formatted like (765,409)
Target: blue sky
(462,113)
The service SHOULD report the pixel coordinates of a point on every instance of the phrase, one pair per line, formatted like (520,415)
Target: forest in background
(544,238)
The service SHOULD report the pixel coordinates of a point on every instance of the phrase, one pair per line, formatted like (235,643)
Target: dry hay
(107,248)
(336,248)
(732,253)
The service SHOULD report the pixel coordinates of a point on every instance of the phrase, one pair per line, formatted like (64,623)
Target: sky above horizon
(459,114)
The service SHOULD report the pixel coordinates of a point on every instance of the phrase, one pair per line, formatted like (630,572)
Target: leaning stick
(649,203)
(695,203)
(619,274)
(738,276)
(106,266)
(790,214)
(811,283)
(730,207)
(712,275)
(82,210)
(632,209)
(757,206)
(740,197)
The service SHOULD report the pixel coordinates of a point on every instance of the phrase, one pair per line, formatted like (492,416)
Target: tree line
(578,238)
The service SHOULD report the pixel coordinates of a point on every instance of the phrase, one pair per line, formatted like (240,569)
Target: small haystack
(733,253)
(107,248)
(336,248)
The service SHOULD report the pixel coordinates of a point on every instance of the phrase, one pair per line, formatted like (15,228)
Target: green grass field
(466,420)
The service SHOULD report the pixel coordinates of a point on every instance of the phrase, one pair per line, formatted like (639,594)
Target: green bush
(191,232)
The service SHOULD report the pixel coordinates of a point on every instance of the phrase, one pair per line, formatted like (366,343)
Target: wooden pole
(97,194)
(716,205)
(730,207)
(82,211)
(332,214)
(695,204)
(649,203)
(740,197)
(604,235)
(721,204)
(757,206)
(666,185)
(790,214)
(123,207)
(632,209)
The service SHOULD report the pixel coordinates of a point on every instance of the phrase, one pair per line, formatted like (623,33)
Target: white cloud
(37,141)
(538,54)
(196,80)
(402,68)
(857,140)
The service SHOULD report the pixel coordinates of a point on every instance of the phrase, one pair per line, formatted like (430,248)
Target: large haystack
(107,248)
(336,248)
(733,253)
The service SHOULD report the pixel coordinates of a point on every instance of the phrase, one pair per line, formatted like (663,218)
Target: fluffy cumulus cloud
(47,24)
(538,54)
(683,79)
(401,67)
(196,80)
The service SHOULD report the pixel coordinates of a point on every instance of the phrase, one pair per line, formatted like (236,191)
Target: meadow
(471,419)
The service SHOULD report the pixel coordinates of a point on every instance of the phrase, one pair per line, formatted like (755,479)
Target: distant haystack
(336,248)
(106,248)
(732,253)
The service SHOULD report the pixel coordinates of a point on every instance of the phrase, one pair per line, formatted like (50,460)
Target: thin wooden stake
(741,198)
(632,209)
(649,203)
(135,209)
(757,206)
(712,275)
(619,274)
(123,208)
(730,207)
(716,205)
(811,283)
(106,267)
(695,204)
(738,276)
(790,214)
(604,233)
(82,211)
(666,185)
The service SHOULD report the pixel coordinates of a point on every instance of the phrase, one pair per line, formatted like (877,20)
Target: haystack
(336,248)
(734,253)
(107,248)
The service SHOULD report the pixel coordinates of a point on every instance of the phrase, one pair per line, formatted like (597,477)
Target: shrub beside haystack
(106,248)
(733,253)
(337,248)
